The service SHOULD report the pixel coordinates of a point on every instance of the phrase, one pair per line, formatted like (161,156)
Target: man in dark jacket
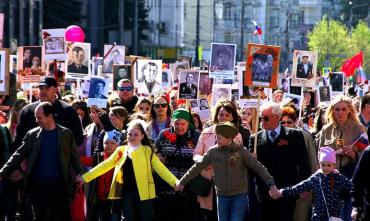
(65,114)
(361,188)
(127,98)
(50,150)
(283,152)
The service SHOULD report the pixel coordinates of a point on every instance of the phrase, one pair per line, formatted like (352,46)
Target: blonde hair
(252,124)
(352,112)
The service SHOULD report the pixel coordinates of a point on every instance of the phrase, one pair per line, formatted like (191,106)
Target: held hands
(79,181)
(178,187)
(349,152)
(275,193)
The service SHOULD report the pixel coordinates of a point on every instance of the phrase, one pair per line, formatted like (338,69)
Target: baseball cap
(48,81)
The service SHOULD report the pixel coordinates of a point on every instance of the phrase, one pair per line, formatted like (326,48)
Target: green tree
(360,9)
(360,41)
(330,39)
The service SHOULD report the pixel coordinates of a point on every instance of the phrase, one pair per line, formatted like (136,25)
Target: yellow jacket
(142,168)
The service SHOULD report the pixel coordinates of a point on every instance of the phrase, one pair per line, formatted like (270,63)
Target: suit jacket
(286,159)
(30,148)
(188,92)
(301,73)
(72,68)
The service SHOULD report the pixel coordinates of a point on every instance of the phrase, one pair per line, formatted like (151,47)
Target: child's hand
(354,214)
(178,187)
(275,193)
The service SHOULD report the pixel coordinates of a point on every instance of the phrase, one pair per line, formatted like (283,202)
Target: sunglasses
(337,109)
(157,105)
(286,122)
(266,118)
(129,88)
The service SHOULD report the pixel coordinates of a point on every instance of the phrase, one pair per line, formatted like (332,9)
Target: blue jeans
(232,208)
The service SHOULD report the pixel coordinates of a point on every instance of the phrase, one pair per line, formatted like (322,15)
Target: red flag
(349,66)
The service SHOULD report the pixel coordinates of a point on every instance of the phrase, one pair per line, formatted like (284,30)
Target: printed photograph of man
(203,104)
(120,72)
(205,83)
(97,88)
(149,81)
(189,85)
(176,68)
(77,57)
(116,56)
(262,67)
(304,68)
(324,94)
(27,54)
(27,58)
(336,82)
(223,57)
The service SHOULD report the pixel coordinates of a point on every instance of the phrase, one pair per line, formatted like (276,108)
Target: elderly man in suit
(188,89)
(304,69)
(283,152)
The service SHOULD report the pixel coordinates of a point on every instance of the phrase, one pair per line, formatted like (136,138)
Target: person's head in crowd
(139,116)
(36,62)
(160,109)
(197,121)
(340,110)
(327,160)
(225,110)
(48,88)
(365,107)
(356,104)
(320,117)
(270,115)
(183,121)
(94,116)
(173,99)
(143,106)
(225,133)
(83,112)
(277,96)
(118,117)
(288,117)
(125,90)
(44,114)
(136,134)
(18,105)
(78,55)
(112,139)
(150,71)
(248,116)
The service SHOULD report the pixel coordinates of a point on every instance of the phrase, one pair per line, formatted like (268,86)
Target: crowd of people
(153,158)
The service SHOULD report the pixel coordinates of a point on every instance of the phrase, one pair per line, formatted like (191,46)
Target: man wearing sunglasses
(283,152)
(127,99)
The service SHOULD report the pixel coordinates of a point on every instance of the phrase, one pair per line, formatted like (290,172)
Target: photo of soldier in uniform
(222,57)
(262,67)
(78,60)
(189,81)
(120,72)
(149,76)
(324,93)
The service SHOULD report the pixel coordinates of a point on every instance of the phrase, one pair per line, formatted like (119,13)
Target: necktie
(273,135)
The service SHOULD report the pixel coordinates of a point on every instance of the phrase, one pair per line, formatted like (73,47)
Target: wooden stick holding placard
(301,105)
(257,121)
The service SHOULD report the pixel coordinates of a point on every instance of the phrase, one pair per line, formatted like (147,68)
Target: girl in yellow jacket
(132,179)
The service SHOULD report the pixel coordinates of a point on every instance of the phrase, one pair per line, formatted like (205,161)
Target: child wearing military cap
(230,161)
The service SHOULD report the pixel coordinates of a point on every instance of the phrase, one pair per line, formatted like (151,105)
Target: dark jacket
(30,148)
(5,141)
(286,158)
(65,116)
(301,73)
(188,92)
(72,68)
(361,185)
(129,105)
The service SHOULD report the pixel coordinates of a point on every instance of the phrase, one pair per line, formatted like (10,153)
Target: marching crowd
(147,158)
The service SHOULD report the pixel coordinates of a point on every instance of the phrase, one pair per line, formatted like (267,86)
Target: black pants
(8,200)
(277,210)
(50,201)
(176,207)
(135,210)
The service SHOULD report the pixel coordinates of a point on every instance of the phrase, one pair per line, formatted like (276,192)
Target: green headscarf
(183,114)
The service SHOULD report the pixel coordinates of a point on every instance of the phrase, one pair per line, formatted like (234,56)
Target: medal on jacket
(232,161)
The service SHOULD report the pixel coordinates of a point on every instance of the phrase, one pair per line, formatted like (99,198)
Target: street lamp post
(351,14)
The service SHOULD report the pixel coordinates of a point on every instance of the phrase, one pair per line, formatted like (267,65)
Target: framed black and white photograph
(324,93)
(29,57)
(114,55)
(304,68)
(203,104)
(54,44)
(185,58)
(98,92)
(222,60)
(336,80)
(292,98)
(121,71)
(4,71)
(220,91)
(194,104)
(284,84)
(297,90)
(78,60)
(205,83)
(166,79)
(235,95)
(176,68)
(149,78)
(96,62)
(189,84)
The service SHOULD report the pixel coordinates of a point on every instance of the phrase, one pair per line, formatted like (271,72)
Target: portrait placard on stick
(304,68)
(54,46)
(262,65)
(336,81)
(220,91)
(98,92)
(78,60)
(115,54)
(189,84)
(149,78)
(121,71)
(175,70)
(4,71)
(222,60)
(325,94)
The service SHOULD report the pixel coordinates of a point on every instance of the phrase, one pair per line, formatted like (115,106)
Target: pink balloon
(75,33)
